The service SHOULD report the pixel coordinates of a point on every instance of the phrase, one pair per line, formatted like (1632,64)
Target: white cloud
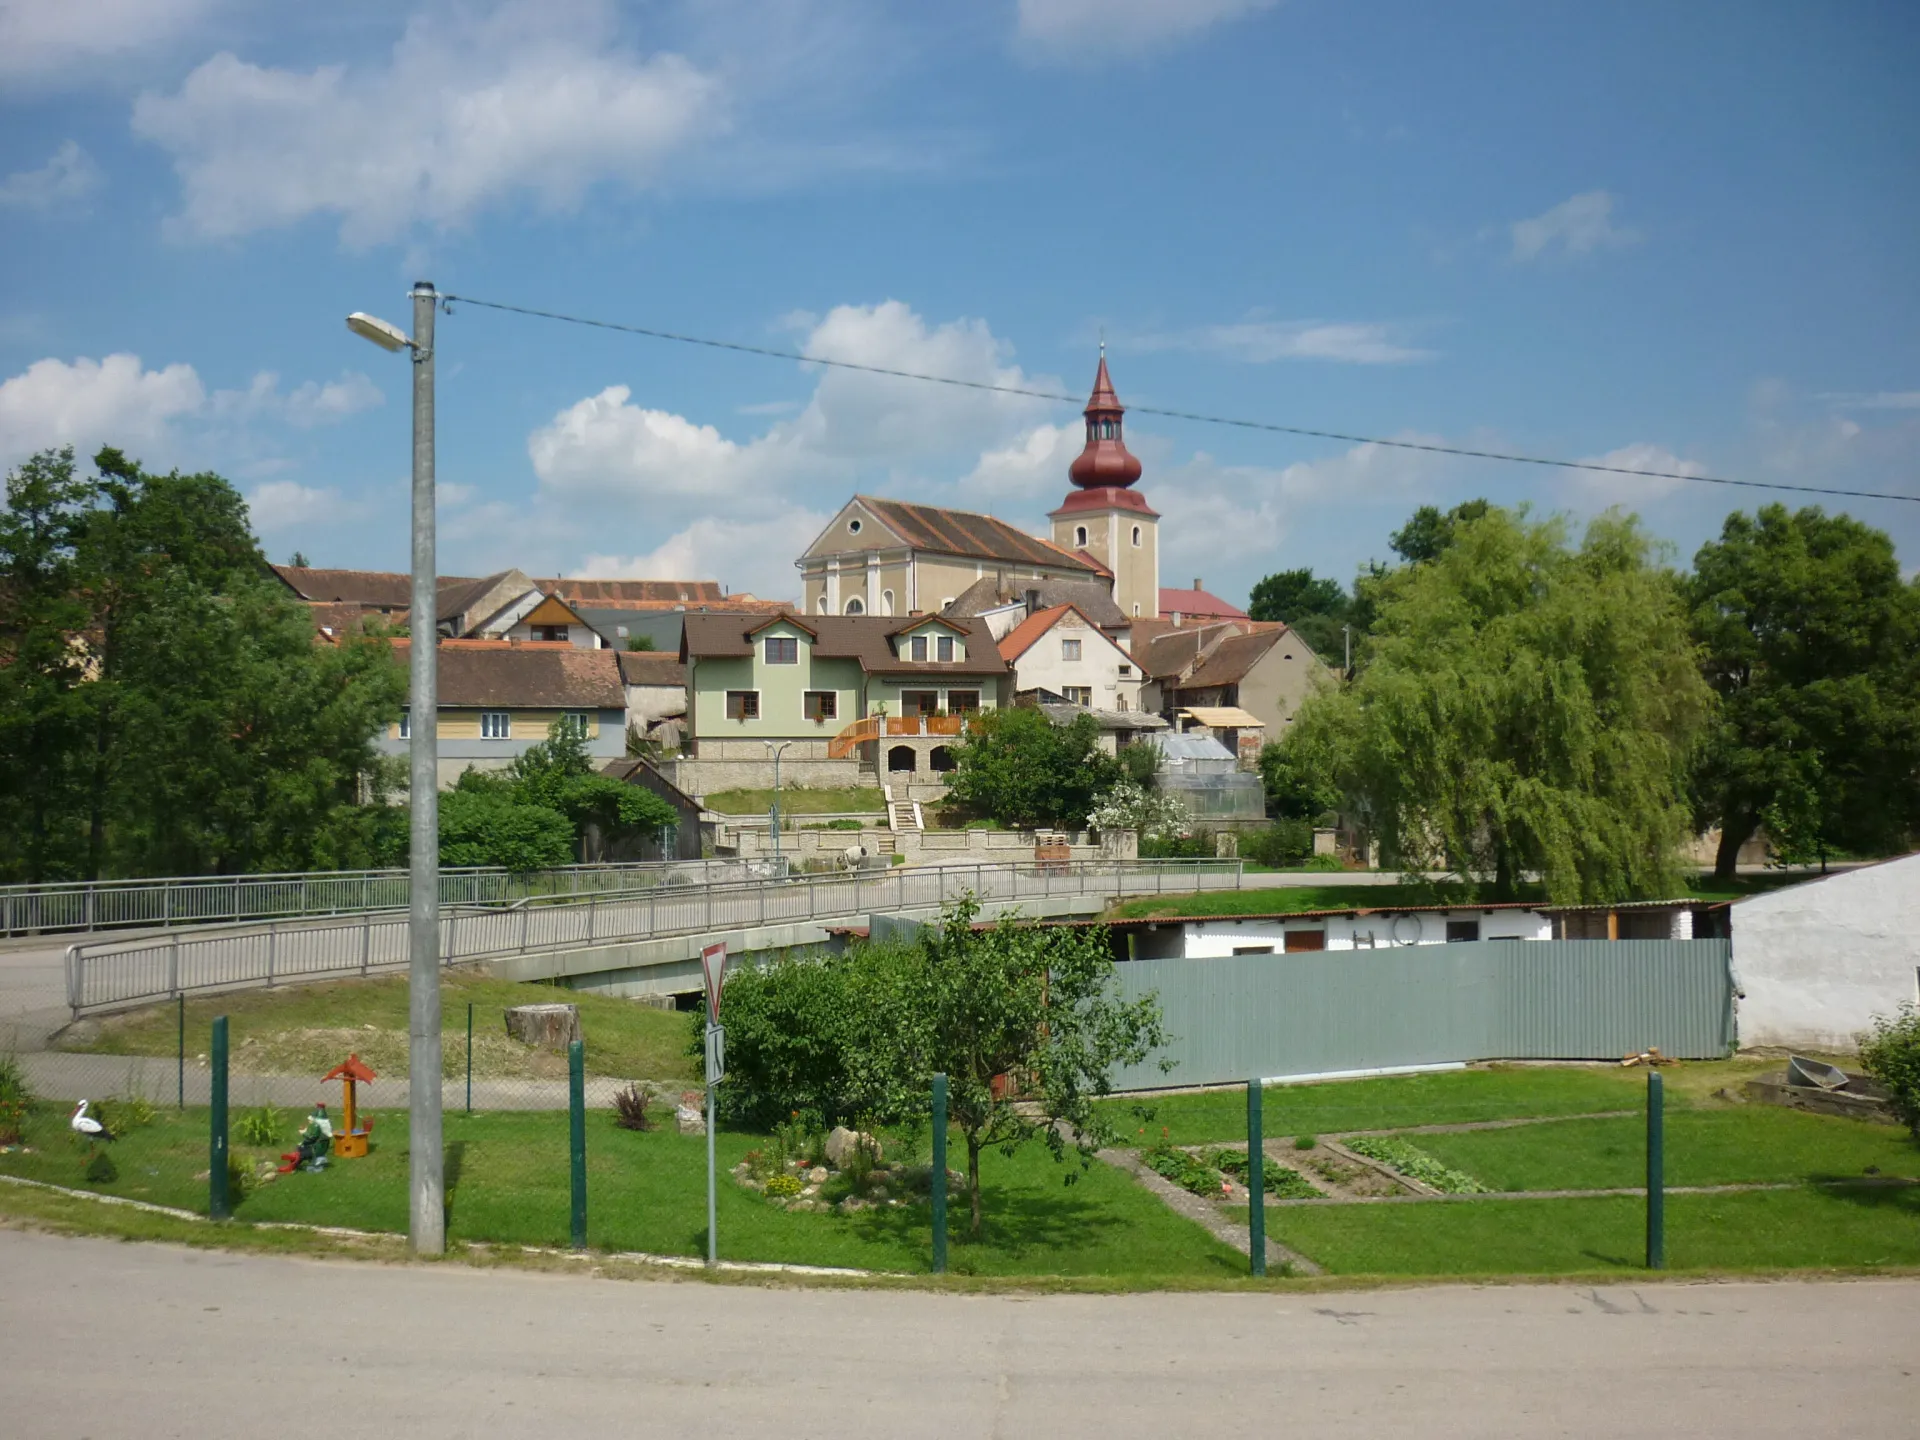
(68,175)
(753,554)
(1576,226)
(1596,487)
(45,40)
(281,505)
(307,405)
(531,98)
(607,446)
(1031,467)
(1262,341)
(1083,30)
(1875,400)
(85,403)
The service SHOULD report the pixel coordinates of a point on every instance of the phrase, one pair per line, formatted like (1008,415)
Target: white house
(1061,650)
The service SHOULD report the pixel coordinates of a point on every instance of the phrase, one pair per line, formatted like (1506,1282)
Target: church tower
(1103,515)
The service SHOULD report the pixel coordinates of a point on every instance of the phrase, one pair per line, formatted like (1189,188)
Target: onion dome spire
(1105,461)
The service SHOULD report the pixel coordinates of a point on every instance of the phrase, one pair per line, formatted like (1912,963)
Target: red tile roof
(535,674)
(1198,605)
(1017,641)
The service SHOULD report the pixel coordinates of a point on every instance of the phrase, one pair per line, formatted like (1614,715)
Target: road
(135,1342)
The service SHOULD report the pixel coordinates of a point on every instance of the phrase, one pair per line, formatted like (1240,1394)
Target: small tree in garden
(1021,769)
(1011,1014)
(1152,814)
(1891,1055)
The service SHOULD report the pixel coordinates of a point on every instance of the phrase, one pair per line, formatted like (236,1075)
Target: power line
(1192,415)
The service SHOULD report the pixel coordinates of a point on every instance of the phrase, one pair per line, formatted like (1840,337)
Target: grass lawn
(801,800)
(1452,1097)
(309,1028)
(507,1181)
(1750,1144)
(1781,1229)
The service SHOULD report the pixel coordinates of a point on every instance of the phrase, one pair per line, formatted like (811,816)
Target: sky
(1669,237)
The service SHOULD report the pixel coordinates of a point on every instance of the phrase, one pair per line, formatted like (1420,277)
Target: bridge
(632,941)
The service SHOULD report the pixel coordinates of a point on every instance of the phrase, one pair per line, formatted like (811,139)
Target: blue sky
(1679,236)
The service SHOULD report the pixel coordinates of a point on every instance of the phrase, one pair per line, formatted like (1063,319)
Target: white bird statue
(85,1126)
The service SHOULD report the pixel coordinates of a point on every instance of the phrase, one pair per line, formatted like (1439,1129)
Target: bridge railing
(209,899)
(110,975)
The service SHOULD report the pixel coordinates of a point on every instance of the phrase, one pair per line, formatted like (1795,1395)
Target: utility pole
(774,814)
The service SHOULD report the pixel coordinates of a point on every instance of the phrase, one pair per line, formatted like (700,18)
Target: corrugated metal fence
(1342,1010)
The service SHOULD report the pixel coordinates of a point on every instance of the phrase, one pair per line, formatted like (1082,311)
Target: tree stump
(551,1027)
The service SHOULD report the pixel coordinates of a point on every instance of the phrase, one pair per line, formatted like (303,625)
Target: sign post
(713,964)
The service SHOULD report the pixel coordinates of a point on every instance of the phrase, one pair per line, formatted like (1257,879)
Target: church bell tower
(1103,515)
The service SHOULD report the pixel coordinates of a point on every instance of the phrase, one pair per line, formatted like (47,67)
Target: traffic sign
(716,1054)
(713,964)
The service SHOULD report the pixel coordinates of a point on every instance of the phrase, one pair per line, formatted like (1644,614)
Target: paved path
(137,1342)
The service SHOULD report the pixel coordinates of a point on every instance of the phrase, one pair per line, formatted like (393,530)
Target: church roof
(1106,461)
(967,534)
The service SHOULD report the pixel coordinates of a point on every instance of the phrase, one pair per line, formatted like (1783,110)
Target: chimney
(1033,601)
(1197,583)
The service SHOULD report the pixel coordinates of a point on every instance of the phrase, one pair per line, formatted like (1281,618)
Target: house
(554,621)
(678,841)
(1005,605)
(497,697)
(888,693)
(656,683)
(1196,606)
(487,607)
(1261,670)
(1061,649)
(621,611)
(1118,728)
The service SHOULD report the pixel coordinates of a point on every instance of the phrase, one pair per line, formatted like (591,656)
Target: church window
(1136,535)
(886,602)
(1136,607)
(855,606)
(853,527)
(820,605)
(1079,534)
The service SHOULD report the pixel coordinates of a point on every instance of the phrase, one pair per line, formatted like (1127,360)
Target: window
(943,649)
(962,702)
(783,650)
(1253,949)
(743,704)
(853,527)
(855,606)
(886,602)
(919,647)
(496,725)
(1136,535)
(919,702)
(620,632)
(577,721)
(820,605)
(1306,940)
(1069,649)
(550,633)
(406,723)
(1078,695)
(1120,703)
(1462,930)
(1079,534)
(820,704)
(1126,672)
(1136,608)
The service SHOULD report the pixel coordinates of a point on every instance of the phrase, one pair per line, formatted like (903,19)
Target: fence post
(273,942)
(577,1138)
(937,1175)
(1256,1182)
(219,1201)
(173,963)
(1656,1175)
(469,1057)
(180,1051)
(366,941)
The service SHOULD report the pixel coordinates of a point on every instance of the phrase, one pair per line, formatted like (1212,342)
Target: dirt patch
(1343,1177)
(315,1051)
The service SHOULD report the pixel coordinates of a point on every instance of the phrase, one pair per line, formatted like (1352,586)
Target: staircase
(902,814)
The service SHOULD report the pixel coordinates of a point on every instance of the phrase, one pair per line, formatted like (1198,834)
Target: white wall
(1206,939)
(1043,667)
(1816,962)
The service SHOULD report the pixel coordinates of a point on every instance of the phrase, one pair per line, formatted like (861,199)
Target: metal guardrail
(109,975)
(210,899)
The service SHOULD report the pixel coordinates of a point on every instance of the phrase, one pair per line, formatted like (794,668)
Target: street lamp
(775,748)
(427,1227)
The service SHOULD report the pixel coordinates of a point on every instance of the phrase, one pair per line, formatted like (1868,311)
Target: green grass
(310,1028)
(1766,1230)
(1494,1092)
(801,800)
(1287,900)
(507,1182)
(1749,1145)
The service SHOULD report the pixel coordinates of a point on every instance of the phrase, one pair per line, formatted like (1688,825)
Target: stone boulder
(841,1143)
(550,1027)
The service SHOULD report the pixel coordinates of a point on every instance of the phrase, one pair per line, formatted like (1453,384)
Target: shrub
(1414,1163)
(1197,846)
(1891,1055)
(1285,842)
(784,1186)
(789,1026)
(1187,1171)
(1325,863)
(123,1114)
(630,1108)
(13,1080)
(480,826)
(241,1181)
(1303,1142)
(260,1127)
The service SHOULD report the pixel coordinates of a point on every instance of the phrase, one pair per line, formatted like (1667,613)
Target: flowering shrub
(784,1187)
(1130,806)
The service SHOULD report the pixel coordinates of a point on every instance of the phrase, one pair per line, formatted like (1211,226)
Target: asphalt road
(109,1340)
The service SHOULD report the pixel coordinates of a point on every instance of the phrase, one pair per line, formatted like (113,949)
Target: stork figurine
(85,1126)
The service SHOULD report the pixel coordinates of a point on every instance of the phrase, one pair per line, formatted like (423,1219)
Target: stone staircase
(902,814)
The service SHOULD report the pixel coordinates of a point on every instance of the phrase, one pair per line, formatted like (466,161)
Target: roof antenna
(1103,342)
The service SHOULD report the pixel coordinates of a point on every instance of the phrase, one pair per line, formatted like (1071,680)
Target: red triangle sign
(713,963)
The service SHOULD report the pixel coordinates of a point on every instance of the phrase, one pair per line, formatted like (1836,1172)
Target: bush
(100,1169)
(1891,1055)
(1303,1142)
(1197,846)
(15,1096)
(482,827)
(1326,863)
(261,1127)
(630,1108)
(1285,842)
(1018,767)
(784,1186)
(788,1029)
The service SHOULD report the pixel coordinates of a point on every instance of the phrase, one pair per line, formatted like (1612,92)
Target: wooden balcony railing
(875,726)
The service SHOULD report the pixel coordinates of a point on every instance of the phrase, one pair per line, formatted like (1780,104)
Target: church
(892,557)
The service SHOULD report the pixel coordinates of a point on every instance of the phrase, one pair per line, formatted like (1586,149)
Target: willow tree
(1529,707)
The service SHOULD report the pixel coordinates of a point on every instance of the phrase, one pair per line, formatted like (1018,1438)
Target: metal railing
(108,975)
(210,899)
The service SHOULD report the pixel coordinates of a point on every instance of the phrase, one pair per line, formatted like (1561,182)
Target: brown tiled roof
(1228,662)
(652,667)
(665,593)
(533,675)
(1091,597)
(385,589)
(965,533)
(846,637)
(335,619)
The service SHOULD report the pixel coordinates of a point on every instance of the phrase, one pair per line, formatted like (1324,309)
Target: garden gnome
(315,1140)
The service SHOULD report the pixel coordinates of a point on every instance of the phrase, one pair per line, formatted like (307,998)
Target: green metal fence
(1333,1011)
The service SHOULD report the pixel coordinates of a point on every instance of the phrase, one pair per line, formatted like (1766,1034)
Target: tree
(1811,639)
(486,825)
(1129,805)
(558,774)
(1528,708)
(640,642)
(1011,1014)
(299,560)
(1300,783)
(1021,769)
(1314,608)
(1429,532)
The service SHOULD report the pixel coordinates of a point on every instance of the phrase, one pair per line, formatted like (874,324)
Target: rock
(690,1119)
(817,1174)
(840,1144)
(852,1203)
(550,1027)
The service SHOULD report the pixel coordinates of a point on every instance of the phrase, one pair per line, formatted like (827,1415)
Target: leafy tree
(1300,783)
(1430,531)
(1528,707)
(1811,639)
(641,642)
(1148,813)
(1016,766)
(299,560)
(485,825)
(558,773)
(1890,1053)
(1313,607)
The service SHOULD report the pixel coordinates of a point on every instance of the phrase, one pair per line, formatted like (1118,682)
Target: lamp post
(775,748)
(427,1226)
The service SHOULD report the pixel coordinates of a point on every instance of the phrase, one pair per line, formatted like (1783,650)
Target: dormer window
(943,650)
(919,648)
(783,650)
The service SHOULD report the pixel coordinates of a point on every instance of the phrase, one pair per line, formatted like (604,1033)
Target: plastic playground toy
(350,1141)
